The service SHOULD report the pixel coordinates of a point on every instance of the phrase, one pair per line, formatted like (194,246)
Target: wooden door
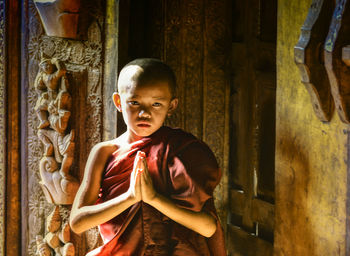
(253,93)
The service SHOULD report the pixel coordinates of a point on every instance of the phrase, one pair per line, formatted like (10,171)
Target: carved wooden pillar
(62,84)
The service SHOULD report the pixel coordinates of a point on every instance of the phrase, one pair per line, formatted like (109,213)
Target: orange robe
(183,169)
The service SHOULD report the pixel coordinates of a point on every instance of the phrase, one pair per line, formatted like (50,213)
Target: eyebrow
(135,96)
(159,98)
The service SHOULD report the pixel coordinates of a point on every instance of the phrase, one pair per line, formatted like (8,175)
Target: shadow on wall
(293,229)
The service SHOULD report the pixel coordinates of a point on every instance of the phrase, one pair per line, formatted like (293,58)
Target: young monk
(151,189)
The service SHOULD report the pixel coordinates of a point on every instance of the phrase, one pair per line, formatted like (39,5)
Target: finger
(144,164)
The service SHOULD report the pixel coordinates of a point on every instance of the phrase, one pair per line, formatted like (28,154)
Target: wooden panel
(245,244)
(173,45)
(2,128)
(13,205)
(111,62)
(253,99)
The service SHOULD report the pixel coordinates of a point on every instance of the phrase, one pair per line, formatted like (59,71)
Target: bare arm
(85,214)
(200,222)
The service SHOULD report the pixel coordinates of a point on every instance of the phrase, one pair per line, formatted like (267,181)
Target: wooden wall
(312,157)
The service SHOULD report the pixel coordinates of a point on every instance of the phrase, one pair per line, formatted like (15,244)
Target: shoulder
(181,140)
(178,135)
(104,148)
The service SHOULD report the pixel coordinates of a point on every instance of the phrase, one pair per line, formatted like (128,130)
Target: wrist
(151,200)
(131,197)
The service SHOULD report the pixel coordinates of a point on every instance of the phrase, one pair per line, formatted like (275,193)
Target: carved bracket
(336,58)
(323,57)
(59,17)
(308,57)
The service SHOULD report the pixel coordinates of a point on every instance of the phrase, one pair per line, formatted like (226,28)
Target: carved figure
(59,17)
(54,101)
(42,249)
(58,236)
(67,250)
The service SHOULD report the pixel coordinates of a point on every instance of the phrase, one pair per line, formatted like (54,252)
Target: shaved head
(146,71)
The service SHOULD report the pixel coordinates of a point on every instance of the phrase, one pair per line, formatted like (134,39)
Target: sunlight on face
(145,107)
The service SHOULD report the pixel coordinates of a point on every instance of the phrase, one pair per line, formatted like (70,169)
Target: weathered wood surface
(312,160)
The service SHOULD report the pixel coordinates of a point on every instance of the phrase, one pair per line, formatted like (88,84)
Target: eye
(156,104)
(133,103)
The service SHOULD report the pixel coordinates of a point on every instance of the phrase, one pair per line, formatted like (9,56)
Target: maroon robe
(183,169)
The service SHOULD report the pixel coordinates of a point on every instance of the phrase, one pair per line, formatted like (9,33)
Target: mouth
(143,125)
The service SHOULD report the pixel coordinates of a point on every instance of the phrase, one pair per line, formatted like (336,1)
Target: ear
(173,106)
(117,102)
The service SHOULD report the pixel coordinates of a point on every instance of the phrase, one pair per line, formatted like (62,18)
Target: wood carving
(58,236)
(308,57)
(59,17)
(53,111)
(336,59)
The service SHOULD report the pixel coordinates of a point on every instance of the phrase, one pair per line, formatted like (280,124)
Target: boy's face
(144,107)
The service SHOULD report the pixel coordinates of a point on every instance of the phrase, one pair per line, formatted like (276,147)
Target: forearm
(200,222)
(89,216)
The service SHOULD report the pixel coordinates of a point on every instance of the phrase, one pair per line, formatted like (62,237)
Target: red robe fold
(183,169)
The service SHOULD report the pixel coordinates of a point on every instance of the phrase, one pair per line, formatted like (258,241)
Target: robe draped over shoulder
(183,169)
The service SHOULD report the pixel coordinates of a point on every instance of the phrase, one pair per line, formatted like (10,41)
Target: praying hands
(141,185)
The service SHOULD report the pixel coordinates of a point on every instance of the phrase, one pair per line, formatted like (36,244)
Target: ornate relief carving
(53,111)
(55,115)
(193,74)
(58,236)
(2,128)
(52,108)
(307,57)
(59,17)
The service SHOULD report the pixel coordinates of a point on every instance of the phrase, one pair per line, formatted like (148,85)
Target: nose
(144,114)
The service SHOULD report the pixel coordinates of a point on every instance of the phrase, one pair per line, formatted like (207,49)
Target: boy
(150,189)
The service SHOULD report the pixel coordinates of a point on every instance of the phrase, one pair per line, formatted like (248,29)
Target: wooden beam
(13,206)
